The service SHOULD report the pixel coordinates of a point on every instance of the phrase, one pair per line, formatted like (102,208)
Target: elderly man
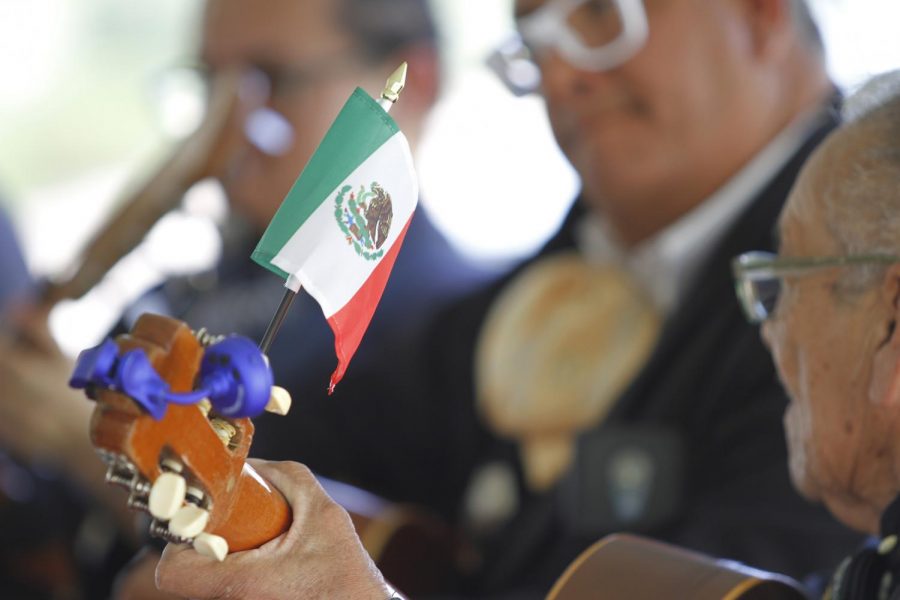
(829,303)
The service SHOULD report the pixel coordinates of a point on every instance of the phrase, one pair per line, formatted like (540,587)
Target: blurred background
(88,103)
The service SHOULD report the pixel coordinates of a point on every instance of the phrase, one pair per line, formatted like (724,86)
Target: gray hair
(862,207)
(383,27)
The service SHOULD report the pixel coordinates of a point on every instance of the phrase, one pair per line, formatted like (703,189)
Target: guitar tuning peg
(279,401)
(194,495)
(140,486)
(166,495)
(211,546)
(224,430)
(189,521)
(121,473)
(170,464)
(160,530)
(137,502)
(205,406)
(140,490)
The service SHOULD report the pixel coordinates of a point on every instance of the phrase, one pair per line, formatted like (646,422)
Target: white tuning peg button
(211,545)
(166,495)
(279,401)
(189,521)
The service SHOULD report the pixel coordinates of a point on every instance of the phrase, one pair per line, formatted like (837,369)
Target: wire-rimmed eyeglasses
(758,275)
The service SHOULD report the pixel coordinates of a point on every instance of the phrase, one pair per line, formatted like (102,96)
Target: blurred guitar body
(628,567)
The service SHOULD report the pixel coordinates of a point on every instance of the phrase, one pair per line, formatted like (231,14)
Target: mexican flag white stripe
(340,227)
(320,246)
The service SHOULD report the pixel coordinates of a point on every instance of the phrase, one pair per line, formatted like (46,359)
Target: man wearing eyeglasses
(828,305)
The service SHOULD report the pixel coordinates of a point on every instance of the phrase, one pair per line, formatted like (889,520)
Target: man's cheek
(797,432)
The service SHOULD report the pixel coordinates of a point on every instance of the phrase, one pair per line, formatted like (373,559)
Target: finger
(290,478)
(28,327)
(183,571)
(296,482)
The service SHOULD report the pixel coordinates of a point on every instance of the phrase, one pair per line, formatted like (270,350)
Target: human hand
(320,556)
(137,581)
(41,418)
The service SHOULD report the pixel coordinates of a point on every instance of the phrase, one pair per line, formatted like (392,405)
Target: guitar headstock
(184,463)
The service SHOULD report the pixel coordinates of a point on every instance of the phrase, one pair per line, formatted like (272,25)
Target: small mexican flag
(339,229)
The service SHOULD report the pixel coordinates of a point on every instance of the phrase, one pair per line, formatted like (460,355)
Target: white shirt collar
(665,264)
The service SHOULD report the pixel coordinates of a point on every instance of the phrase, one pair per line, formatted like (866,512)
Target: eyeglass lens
(596,22)
(760,297)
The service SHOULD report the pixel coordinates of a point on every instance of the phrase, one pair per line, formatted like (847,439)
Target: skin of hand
(320,556)
(41,418)
(137,580)
(43,421)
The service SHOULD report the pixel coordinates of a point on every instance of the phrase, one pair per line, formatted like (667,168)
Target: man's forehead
(273,31)
(801,226)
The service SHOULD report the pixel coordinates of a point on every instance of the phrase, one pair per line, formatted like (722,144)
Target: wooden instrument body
(625,566)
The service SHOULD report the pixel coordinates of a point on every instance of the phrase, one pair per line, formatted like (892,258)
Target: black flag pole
(277,320)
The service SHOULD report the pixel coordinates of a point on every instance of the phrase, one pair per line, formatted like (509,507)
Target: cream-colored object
(189,521)
(166,495)
(491,498)
(279,401)
(211,545)
(194,494)
(224,430)
(205,406)
(170,464)
(557,348)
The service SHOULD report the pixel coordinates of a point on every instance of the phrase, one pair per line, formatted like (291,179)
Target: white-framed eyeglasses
(592,35)
(758,275)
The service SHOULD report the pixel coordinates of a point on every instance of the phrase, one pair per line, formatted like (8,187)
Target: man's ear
(771,26)
(884,387)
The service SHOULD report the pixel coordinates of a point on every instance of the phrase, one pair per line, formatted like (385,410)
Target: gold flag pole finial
(393,87)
